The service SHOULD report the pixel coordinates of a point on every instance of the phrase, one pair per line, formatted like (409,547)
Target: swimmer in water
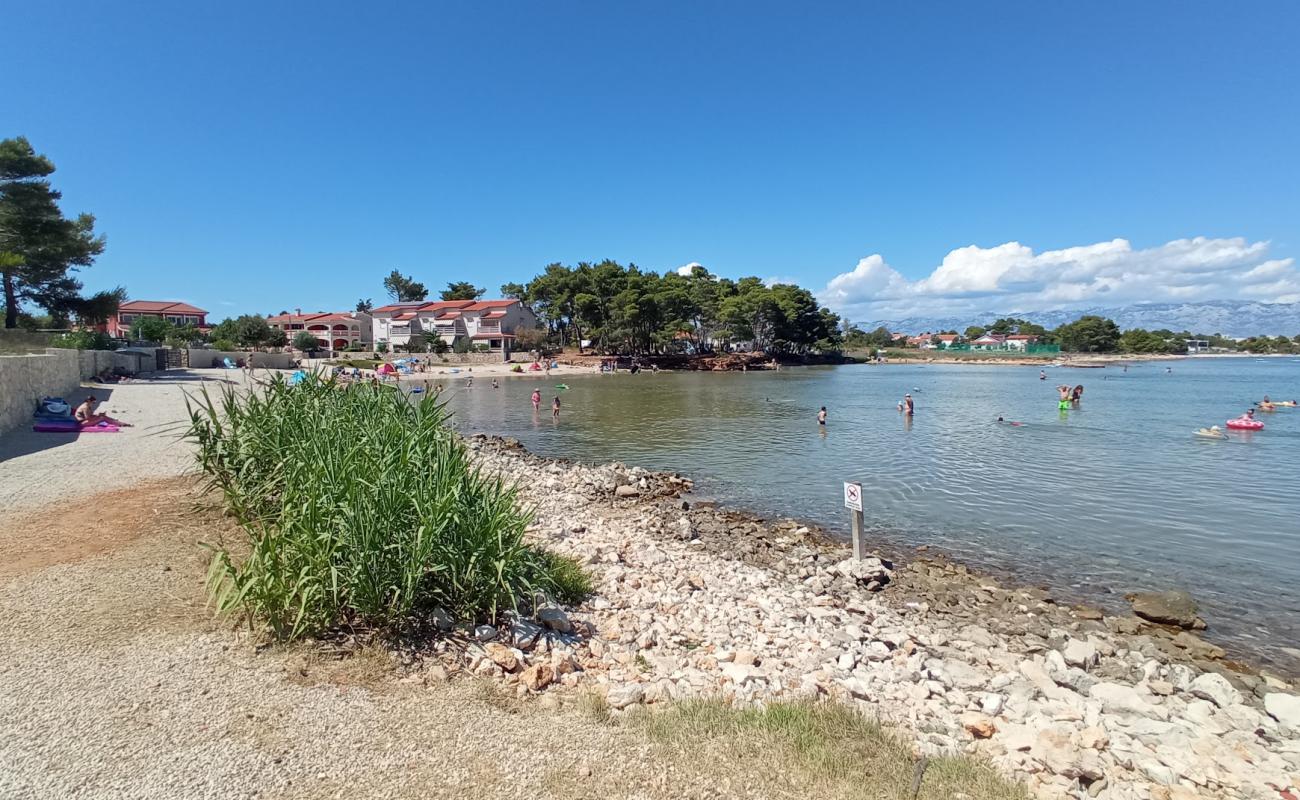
(1042,376)
(821,417)
(537,399)
(909,408)
(555,407)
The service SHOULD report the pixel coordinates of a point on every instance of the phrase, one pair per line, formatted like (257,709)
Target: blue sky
(250,157)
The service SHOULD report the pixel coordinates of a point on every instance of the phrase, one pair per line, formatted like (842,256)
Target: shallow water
(1112,497)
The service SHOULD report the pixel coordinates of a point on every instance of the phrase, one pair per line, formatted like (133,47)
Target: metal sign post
(853,502)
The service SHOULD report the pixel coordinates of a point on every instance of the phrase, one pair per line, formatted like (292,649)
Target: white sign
(853,496)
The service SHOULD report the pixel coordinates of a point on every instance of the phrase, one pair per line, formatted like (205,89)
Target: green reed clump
(361,506)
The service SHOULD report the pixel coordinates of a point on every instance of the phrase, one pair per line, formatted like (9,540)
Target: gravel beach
(115,682)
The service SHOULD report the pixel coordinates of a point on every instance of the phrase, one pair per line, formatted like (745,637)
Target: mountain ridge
(1232,318)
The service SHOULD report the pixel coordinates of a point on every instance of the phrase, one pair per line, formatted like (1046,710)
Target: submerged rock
(1168,608)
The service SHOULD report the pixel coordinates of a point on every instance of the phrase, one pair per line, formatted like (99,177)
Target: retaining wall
(26,379)
(93,362)
(206,359)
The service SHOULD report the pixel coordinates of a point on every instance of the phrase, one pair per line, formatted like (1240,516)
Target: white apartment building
(492,323)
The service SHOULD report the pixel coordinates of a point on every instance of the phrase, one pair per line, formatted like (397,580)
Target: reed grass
(362,507)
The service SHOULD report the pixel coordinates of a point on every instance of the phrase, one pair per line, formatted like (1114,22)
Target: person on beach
(821,417)
(85,414)
(555,407)
(537,399)
(909,407)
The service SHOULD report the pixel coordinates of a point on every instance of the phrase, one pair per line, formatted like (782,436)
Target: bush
(461,345)
(84,340)
(305,342)
(225,345)
(361,507)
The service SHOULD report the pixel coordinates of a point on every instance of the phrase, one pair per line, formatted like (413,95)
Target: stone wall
(24,380)
(93,362)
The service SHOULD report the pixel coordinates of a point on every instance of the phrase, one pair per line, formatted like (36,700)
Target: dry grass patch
(819,750)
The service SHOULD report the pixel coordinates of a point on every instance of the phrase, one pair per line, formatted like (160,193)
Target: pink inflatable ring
(1245,424)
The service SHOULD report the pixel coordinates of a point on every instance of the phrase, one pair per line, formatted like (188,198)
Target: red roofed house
(179,314)
(989,341)
(333,331)
(491,323)
(920,341)
(945,340)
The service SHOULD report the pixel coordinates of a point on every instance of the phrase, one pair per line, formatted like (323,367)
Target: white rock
(991,704)
(1215,688)
(1285,708)
(555,619)
(628,694)
(1116,697)
(1081,654)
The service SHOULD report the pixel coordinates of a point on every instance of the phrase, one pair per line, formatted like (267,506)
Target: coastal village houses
(998,341)
(337,331)
(484,324)
(178,314)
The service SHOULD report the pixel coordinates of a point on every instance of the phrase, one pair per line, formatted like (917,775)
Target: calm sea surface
(1112,497)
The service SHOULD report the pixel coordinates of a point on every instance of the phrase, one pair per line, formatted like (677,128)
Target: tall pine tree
(40,249)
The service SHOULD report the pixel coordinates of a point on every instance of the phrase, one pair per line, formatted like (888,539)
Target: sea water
(1114,496)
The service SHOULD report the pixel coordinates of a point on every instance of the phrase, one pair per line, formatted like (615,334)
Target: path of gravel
(38,469)
(115,683)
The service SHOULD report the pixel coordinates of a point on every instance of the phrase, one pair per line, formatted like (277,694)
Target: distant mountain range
(1234,318)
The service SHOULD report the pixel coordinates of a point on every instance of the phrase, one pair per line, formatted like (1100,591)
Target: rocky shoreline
(696,601)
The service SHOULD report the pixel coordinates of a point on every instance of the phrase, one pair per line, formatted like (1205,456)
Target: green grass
(359,363)
(361,507)
(824,750)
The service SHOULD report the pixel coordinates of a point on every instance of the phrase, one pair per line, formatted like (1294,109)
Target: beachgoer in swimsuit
(821,416)
(1042,376)
(537,399)
(909,407)
(555,407)
(495,385)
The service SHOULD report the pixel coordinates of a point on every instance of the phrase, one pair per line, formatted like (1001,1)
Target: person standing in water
(495,385)
(1065,396)
(555,407)
(537,399)
(909,407)
(821,417)
(1042,376)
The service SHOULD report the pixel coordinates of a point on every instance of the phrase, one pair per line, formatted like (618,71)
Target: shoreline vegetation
(361,508)
(688,603)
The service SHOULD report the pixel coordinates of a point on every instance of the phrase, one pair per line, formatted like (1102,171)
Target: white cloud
(685,269)
(1012,277)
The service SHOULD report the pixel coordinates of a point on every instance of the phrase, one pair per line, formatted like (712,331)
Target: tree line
(616,309)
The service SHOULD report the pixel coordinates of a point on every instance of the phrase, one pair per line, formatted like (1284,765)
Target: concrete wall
(205,359)
(26,379)
(93,362)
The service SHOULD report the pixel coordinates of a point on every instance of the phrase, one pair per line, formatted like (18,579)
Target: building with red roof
(334,330)
(175,312)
